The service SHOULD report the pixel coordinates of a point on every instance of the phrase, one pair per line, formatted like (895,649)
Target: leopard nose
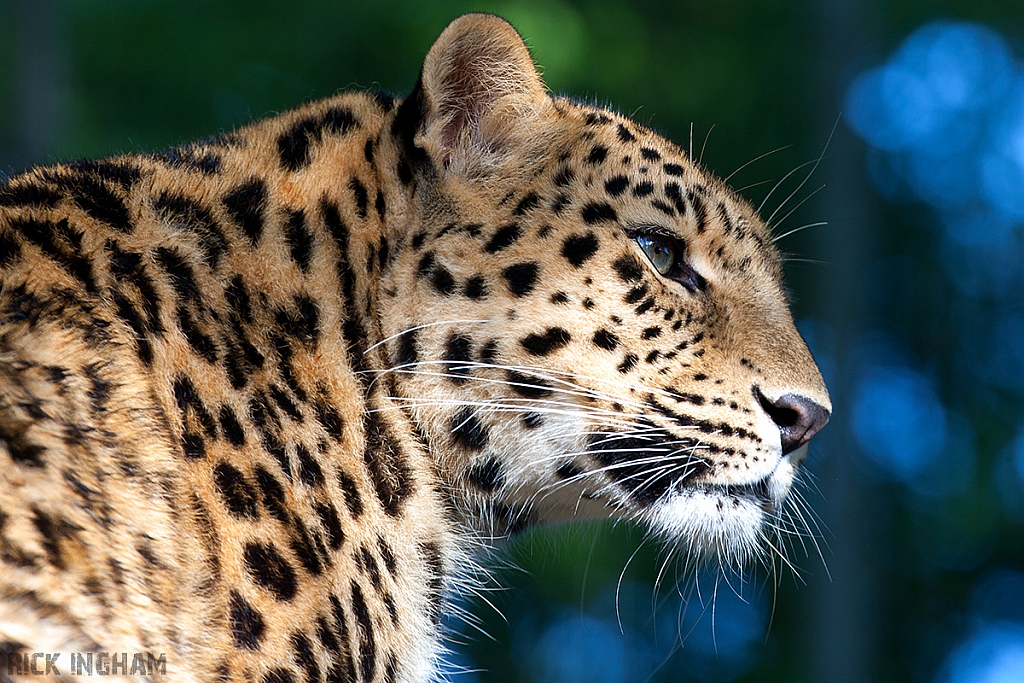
(797,417)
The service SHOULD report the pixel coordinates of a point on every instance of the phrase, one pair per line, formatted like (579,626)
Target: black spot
(353,501)
(578,249)
(558,205)
(647,305)
(616,185)
(605,340)
(643,189)
(367,645)
(663,207)
(651,333)
(284,402)
(189,404)
(521,278)
(628,267)
(489,351)
(628,362)
(332,524)
(442,280)
(564,176)
(650,154)
(308,548)
(652,356)
(475,287)
(329,418)
(486,475)
(533,419)
(386,464)
(236,491)
(418,239)
(527,386)
(361,197)
(595,212)
(553,339)
(28,195)
(368,565)
(700,211)
(21,450)
(636,294)
(272,494)
(305,658)
(309,470)
(61,243)
(230,426)
(247,625)
(407,351)
(54,531)
(277,675)
(568,470)
(97,199)
(180,273)
(300,241)
(457,353)
(246,204)
(528,202)
(673,169)
(426,264)
(597,154)
(265,564)
(467,430)
(435,571)
(187,214)
(624,133)
(504,237)
(10,249)
(293,146)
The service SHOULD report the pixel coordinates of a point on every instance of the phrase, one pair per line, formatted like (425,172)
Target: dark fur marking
(328,515)
(61,243)
(367,644)
(527,386)
(232,429)
(504,237)
(407,351)
(300,240)
(636,294)
(530,201)
(651,333)
(180,273)
(489,351)
(521,278)
(457,353)
(330,419)
(272,494)
(293,146)
(553,339)
(475,287)
(597,155)
(578,249)
(616,185)
(362,199)
(187,214)
(605,340)
(307,547)
(386,464)
(236,491)
(305,658)
(628,268)
(309,470)
(435,573)
(487,475)
(533,419)
(246,205)
(353,501)
(596,212)
(629,362)
(673,169)
(624,133)
(467,430)
(247,626)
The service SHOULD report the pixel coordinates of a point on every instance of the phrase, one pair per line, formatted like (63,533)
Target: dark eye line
(681,272)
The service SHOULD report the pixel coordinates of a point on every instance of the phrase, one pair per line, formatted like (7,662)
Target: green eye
(661,251)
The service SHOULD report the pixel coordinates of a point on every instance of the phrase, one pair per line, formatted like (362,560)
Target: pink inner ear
(465,96)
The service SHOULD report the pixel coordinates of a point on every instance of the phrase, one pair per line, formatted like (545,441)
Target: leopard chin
(727,524)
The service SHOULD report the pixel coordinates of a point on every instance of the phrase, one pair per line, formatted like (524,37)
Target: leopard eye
(660,250)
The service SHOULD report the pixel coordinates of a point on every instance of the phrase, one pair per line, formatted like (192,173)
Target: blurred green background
(911,297)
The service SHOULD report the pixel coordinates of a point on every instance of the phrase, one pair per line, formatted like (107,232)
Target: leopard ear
(482,96)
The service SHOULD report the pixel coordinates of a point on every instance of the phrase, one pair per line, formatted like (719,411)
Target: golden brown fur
(258,395)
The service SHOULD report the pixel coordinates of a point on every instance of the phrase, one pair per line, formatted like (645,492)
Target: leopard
(266,397)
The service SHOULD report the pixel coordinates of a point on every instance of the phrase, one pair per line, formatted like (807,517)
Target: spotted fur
(259,394)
